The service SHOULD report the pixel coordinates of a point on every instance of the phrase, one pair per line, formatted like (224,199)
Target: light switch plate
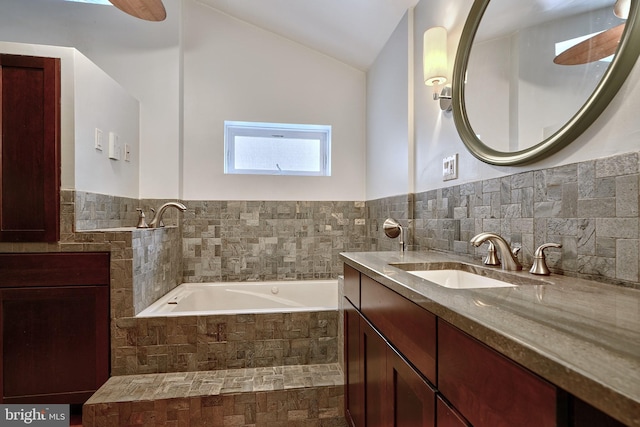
(450,167)
(114,146)
(99,139)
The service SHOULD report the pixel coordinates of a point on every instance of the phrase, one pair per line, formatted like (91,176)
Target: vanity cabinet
(489,389)
(407,367)
(446,416)
(383,389)
(29,149)
(54,326)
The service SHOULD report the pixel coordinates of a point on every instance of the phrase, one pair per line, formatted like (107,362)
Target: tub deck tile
(130,388)
(291,395)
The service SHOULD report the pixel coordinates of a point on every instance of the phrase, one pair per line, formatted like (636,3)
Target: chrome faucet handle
(539,266)
(142,223)
(492,257)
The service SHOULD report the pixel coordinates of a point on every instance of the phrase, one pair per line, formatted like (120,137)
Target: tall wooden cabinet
(29,149)
(54,326)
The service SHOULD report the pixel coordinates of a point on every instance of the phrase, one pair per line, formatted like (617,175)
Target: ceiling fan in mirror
(601,45)
(149,10)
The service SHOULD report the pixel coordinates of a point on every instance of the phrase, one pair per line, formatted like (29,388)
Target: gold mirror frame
(612,80)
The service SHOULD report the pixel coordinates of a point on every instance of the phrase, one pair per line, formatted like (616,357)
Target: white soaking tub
(200,299)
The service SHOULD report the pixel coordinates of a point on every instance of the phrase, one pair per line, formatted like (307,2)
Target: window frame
(234,129)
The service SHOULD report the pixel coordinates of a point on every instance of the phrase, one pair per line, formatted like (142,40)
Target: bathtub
(201,299)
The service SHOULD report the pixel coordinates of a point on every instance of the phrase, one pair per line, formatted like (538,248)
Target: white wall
(142,56)
(100,102)
(90,99)
(389,151)
(236,71)
(232,71)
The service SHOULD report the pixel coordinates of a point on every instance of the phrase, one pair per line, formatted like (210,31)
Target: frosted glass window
(277,149)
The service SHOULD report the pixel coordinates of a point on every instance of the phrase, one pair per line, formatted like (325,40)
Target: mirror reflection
(533,65)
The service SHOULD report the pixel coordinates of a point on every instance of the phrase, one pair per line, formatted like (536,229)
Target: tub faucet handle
(142,222)
(539,266)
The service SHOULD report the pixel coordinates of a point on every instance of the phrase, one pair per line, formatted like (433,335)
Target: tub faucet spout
(509,261)
(157,219)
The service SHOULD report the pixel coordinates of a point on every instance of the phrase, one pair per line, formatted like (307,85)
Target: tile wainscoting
(269,240)
(591,208)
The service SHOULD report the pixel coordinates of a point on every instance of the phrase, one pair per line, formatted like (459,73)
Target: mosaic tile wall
(157,264)
(99,211)
(591,208)
(196,343)
(273,240)
(399,208)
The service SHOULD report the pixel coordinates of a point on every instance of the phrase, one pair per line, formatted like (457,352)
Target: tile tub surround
(581,335)
(196,343)
(276,396)
(230,241)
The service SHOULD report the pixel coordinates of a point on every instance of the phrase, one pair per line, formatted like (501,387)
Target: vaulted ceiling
(352,31)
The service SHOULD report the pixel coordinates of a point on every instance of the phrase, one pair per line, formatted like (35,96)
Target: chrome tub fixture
(157,219)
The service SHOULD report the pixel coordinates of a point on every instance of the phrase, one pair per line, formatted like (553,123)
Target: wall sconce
(434,61)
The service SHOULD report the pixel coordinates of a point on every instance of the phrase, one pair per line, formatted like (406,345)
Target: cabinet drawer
(409,327)
(352,285)
(488,389)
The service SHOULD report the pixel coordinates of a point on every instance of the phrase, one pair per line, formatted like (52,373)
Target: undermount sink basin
(458,279)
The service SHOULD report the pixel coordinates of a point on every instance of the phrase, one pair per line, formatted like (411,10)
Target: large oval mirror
(530,76)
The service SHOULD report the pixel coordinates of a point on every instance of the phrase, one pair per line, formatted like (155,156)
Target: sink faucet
(509,261)
(157,219)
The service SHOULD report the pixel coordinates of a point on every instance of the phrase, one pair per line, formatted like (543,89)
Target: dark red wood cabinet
(54,326)
(489,389)
(29,149)
(410,328)
(406,367)
(354,375)
(382,388)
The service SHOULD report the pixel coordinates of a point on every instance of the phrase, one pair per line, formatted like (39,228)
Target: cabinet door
(54,326)
(447,416)
(412,399)
(488,389)
(374,356)
(354,363)
(409,327)
(54,343)
(29,149)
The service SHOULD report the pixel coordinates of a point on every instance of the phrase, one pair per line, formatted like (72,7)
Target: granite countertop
(581,335)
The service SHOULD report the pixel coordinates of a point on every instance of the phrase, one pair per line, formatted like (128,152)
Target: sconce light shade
(434,56)
(621,8)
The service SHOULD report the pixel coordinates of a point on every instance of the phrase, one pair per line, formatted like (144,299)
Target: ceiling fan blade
(149,10)
(593,49)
